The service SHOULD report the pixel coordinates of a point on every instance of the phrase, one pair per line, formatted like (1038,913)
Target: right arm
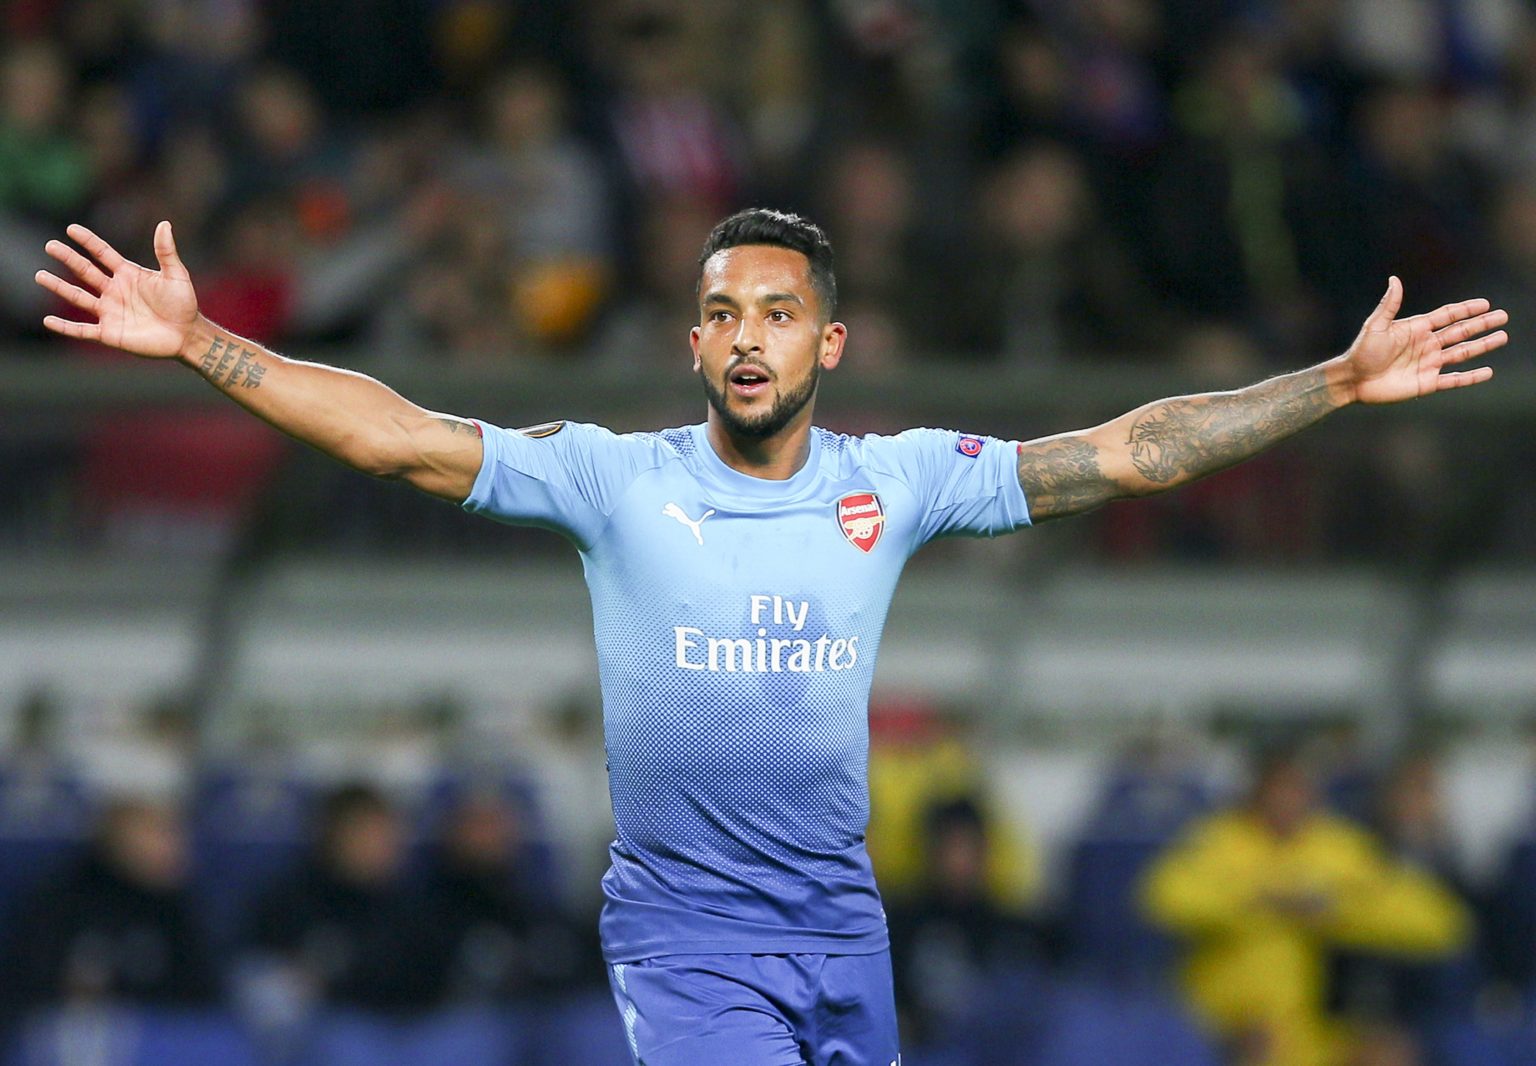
(347,415)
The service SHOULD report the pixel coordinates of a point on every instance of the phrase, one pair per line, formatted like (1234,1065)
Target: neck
(775,458)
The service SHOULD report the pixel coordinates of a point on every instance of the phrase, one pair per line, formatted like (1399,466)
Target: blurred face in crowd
(34,88)
(762,339)
(1412,801)
(1285,796)
(147,844)
(959,857)
(1037,199)
(482,834)
(525,108)
(367,846)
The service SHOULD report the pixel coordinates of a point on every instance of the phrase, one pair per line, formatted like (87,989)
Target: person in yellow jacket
(1262,893)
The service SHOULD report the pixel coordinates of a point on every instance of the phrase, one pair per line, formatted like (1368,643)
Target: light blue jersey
(737,624)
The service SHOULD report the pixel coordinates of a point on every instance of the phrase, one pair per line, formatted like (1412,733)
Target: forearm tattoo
(1179,440)
(229,365)
(1167,444)
(1062,476)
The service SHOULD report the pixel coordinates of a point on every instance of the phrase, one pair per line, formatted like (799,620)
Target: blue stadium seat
(584,1029)
(249,827)
(537,874)
(454,1038)
(1104,931)
(1466,1044)
(133,1038)
(46,814)
(1138,814)
(1095,1025)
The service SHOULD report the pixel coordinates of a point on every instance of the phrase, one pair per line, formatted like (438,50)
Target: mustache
(755,364)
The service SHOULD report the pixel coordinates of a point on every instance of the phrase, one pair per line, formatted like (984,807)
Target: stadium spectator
(959,954)
(44,169)
(920,759)
(1422,187)
(1049,282)
(1261,893)
(870,192)
(347,929)
(362,57)
(1409,816)
(546,190)
(1242,155)
(671,135)
(120,927)
(502,942)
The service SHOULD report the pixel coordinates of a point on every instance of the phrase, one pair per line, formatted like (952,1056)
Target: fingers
(104,253)
(1441,317)
(1460,353)
(1462,378)
(1391,303)
(82,267)
(73,295)
(85,331)
(165,252)
(1470,327)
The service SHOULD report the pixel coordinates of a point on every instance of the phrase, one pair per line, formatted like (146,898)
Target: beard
(761,425)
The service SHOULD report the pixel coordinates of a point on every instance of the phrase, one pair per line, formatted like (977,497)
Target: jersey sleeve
(564,476)
(969,485)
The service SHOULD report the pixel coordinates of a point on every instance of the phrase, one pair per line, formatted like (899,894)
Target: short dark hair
(763,225)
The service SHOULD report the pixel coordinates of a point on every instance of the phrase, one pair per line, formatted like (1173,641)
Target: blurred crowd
(1004,180)
(1218,185)
(1283,901)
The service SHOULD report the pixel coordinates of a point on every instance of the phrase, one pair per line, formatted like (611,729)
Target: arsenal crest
(861,517)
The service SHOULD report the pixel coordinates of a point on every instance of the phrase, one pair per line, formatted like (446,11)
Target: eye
(719,316)
(778,316)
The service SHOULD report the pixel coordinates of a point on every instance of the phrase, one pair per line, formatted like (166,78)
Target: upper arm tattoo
(459,425)
(1062,476)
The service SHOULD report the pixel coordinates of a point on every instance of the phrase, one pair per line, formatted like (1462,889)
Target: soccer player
(740,572)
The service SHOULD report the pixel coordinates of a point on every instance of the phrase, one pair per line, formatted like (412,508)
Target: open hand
(1402,358)
(146,312)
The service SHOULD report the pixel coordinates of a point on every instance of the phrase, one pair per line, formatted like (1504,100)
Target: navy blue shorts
(758,1010)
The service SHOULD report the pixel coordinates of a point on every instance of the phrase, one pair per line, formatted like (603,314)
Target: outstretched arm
(347,415)
(1170,442)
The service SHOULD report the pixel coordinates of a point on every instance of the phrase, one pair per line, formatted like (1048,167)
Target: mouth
(748,380)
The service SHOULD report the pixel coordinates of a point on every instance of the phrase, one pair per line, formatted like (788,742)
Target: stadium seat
(248,828)
(1104,932)
(457,1038)
(1094,1025)
(584,1029)
(45,818)
(120,1037)
(537,872)
(1467,1044)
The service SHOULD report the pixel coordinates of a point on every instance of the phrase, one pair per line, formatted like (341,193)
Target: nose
(748,340)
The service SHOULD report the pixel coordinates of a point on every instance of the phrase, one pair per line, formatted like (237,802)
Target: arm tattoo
(1178,440)
(459,425)
(228,365)
(1062,476)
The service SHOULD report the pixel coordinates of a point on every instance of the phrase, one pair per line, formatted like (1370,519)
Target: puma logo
(672,510)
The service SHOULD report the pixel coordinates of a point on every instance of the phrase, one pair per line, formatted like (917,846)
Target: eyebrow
(768,298)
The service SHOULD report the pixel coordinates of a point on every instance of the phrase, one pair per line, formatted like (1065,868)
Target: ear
(833,338)
(693,342)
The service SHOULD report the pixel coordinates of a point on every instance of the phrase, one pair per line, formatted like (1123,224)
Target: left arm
(1170,442)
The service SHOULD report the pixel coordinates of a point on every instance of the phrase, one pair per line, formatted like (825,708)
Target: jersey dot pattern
(737,628)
